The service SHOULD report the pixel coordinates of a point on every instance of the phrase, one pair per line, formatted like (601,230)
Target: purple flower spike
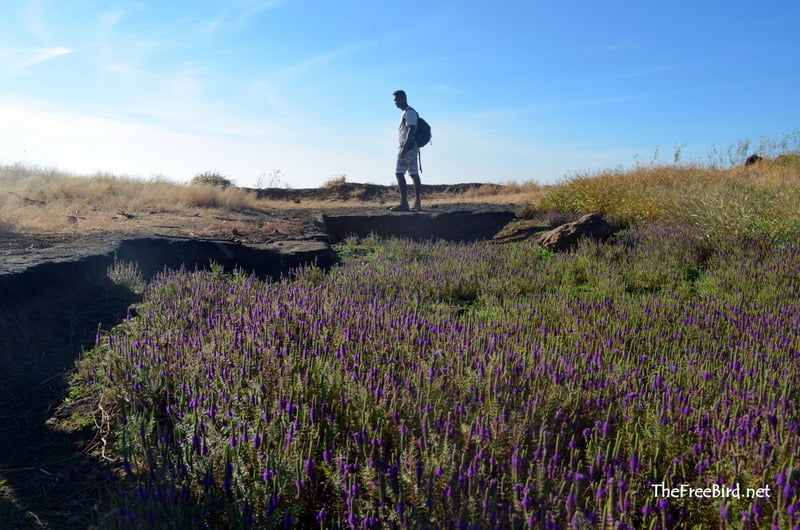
(310,469)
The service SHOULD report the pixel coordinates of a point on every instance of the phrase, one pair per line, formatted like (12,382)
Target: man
(408,154)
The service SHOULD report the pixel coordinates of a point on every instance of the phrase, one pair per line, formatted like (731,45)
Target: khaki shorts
(408,162)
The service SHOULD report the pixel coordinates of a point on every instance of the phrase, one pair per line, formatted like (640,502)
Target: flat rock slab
(451,223)
(154,253)
(271,259)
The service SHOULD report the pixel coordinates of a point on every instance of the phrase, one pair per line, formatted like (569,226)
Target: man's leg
(417,191)
(401,183)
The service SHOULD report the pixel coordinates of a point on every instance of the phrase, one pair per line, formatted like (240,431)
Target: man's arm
(410,138)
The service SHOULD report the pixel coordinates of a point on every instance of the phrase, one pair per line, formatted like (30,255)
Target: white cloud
(46,135)
(238,13)
(622,46)
(34,18)
(40,56)
(308,65)
(250,8)
(108,20)
(640,73)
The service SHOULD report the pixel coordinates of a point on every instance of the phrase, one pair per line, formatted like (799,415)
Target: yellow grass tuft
(765,196)
(509,193)
(213,196)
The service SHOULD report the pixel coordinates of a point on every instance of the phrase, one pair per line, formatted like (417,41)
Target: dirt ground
(289,216)
(246,226)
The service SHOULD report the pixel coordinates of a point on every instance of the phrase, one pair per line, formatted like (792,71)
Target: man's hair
(401,93)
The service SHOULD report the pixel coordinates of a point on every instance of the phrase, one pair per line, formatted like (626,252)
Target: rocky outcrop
(567,235)
(521,230)
(562,237)
(450,225)
(267,260)
(752,160)
(47,287)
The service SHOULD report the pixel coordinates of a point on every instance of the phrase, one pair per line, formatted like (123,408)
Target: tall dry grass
(511,192)
(32,186)
(39,199)
(761,197)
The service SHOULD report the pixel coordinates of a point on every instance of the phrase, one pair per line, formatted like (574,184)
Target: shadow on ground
(48,478)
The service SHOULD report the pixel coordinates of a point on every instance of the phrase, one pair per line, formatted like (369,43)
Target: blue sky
(302,89)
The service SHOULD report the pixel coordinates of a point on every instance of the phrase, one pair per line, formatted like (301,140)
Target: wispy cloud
(240,12)
(109,19)
(511,113)
(444,88)
(34,19)
(212,26)
(622,46)
(308,65)
(640,73)
(40,56)
(591,102)
(250,8)
(236,15)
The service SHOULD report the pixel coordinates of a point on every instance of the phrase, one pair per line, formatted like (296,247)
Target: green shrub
(213,178)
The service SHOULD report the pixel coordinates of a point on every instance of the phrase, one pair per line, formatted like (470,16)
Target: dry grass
(762,196)
(508,193)
(120,192)
(35,200)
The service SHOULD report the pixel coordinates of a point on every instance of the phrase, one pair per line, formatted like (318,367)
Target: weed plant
(436,385)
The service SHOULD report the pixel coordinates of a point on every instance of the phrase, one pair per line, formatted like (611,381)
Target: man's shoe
(402,207)
(417,206)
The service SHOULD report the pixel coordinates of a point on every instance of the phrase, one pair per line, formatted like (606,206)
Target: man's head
(400,99)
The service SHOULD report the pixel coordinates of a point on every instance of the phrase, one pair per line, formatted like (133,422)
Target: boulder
(752,160)
(567,235)
(521,230)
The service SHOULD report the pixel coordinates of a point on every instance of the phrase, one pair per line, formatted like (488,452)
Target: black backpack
(423,133)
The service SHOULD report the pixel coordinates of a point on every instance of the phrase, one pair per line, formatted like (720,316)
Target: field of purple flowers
(648,382)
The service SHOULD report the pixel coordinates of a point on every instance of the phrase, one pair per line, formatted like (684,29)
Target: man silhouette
(407,155)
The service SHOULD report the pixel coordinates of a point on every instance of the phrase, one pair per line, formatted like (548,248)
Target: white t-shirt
(408,119)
